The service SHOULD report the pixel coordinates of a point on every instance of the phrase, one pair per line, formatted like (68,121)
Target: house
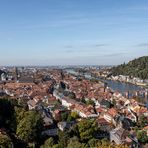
(58,112)
(47,118)
(85,111)
(146,129)
(62,125)
(103,124)
(102,135)
(32,104)
(118,135)
(132,116)
(110,115)
(9,93)
(3,76)
(100,110)
(96,102)
(26,79)
(105,103)
(124,122)
(50,132)
(56,115)
(127,102)
(65,125)
(67,102)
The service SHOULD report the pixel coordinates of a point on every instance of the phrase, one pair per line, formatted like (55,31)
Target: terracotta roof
(145,128)
(99,110)
(102,121)
(112,112)
(32,103)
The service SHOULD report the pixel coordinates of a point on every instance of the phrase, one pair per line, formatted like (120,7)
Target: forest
(135,68)
(20,127)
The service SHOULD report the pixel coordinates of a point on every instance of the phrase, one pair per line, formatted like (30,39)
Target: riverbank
(124,80)
(120,86)
(136,83)
(116,85)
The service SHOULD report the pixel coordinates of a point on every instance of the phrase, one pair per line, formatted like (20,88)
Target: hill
(137,68)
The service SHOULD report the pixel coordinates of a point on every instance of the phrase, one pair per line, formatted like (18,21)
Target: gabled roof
(32,103)
(113,112)
(102,121)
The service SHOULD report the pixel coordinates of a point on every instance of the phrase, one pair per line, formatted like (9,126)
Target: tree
(114,102)
(23,103)
(93,142)
(48,143)
(105,143)
(72,95)
(6,112)
(136,68)
(90,102)
(87,129)
(142,136)
(70,118)
(142,121)
(63,139)
(5,141)
(74,115)
(64,116)
(30,126)
(74,143)
(56,146)
(19,114)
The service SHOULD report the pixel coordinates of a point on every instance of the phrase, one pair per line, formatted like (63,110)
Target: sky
(72,32)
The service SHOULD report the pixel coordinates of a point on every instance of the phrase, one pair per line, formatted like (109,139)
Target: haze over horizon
(72,32)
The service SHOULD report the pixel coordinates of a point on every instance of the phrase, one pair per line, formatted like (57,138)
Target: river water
(118,86)
(115,85)
(121,86)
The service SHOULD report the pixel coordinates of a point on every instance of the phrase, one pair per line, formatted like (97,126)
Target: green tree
(70,118)
(74,143)
(114,102)
(93,142)
(90,102)
(30,126)
(63,139)
(105,143)
(56,146)
(5,141)
(19,114)
(64,116)
(48,143)
(23,103)
(87,129)
(142,136)
(142,121)
(74,115)
(136,68)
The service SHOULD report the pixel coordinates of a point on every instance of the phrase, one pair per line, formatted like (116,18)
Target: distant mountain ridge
(136,68)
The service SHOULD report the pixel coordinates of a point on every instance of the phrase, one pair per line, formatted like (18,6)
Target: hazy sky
(59,32)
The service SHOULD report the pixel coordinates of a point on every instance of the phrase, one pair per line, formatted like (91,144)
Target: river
(118,86)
